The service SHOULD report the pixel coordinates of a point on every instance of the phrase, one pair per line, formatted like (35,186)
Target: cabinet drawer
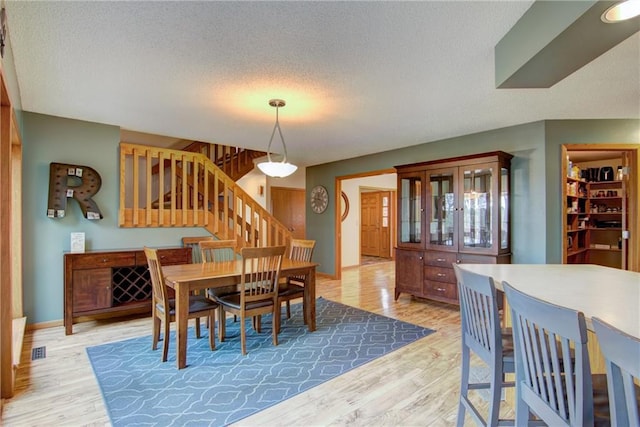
(167,256)
(441,289)
(476,259)
(115,259)
(440,274)
(440,259)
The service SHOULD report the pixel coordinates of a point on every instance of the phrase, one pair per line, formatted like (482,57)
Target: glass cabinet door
(504,208)
(478,194)
(442,209)
(410,209)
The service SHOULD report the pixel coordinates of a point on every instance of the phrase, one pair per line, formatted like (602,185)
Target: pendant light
(282,168)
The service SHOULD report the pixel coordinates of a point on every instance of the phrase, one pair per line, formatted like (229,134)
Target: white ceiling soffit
(358,77)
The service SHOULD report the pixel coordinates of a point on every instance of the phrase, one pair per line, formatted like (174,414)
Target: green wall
(535,179)
(560,132)
(536,222)
(49,139)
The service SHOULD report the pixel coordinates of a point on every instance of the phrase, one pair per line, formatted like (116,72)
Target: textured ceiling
(358,77)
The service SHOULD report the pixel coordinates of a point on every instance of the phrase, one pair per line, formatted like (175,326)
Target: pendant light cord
(277,126)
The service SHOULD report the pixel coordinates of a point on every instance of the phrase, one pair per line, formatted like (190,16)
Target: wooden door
(370,224)
(288,207)
(375,223)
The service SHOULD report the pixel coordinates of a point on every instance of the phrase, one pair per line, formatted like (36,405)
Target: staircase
(236,162)
(161,187)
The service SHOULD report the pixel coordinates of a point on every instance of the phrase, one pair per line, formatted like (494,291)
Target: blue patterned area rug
(221,387)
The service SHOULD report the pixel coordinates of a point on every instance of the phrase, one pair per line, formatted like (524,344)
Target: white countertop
(611,294)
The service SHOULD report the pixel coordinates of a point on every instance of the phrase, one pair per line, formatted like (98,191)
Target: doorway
(600,205)
(348,218)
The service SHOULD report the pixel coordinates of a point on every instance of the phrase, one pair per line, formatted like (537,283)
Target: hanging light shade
(282,168)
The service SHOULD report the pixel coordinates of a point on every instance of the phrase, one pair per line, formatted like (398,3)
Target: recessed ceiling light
(622,11)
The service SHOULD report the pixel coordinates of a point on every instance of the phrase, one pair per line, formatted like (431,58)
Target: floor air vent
(38,353)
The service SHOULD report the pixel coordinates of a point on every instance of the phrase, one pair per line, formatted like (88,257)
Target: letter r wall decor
(77,181)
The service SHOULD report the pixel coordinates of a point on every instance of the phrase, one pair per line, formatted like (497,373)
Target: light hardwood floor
(416,385)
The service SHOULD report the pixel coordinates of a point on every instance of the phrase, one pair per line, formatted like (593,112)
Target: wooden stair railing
(236,162)
(199,193)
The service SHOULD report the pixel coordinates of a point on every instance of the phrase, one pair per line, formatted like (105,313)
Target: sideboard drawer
(167,256)
(440,274)
(105,259)
(440,259)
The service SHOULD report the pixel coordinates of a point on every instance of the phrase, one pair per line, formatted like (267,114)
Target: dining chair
(482,335)
(258,292)
(553,372)
(219,251)
(194,244)
(293,286)
(163,307)
(622,360)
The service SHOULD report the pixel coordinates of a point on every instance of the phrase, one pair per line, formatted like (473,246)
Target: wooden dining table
(186,278)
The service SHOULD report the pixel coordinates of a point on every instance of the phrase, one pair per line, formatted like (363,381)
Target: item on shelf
(606,173)
(608,224)
(619,175)
(575,172)
(601,246)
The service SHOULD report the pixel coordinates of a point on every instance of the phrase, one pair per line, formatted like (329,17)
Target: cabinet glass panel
(504,208)
(410,209)
(477,207)
(441,221)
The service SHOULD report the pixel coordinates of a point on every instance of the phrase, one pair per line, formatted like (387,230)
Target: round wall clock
(319,199)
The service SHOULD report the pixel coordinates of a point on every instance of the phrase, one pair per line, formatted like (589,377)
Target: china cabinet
(450,211)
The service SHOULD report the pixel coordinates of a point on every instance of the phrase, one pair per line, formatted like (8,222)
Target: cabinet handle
(105,259)
(440,259)
(440,274)
(440,289)
(421,258)
(458,261)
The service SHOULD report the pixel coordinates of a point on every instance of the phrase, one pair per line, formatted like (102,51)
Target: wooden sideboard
(105,284)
